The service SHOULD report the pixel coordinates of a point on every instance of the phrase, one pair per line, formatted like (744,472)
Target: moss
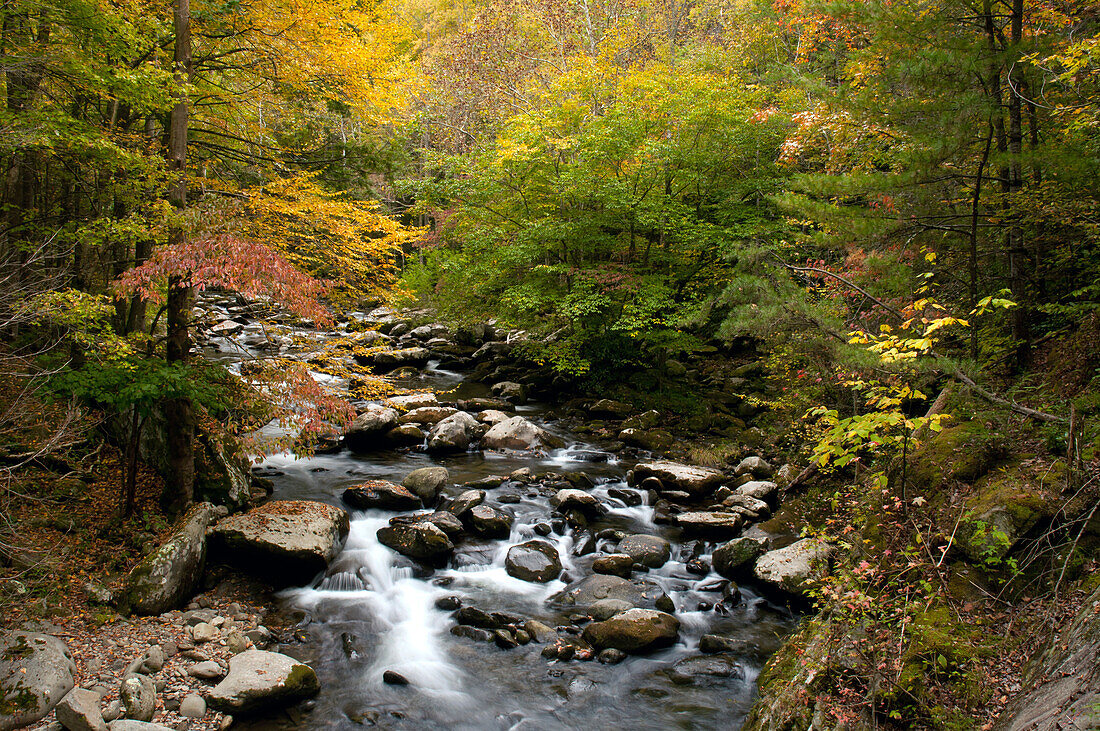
(18,701)
(964,452)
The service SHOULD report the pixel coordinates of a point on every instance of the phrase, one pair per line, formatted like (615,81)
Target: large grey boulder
(535,561)
(286,542)
(426,483)
(735,558)
(138,696)
(36,671)
(452,434)
(490,522)
(635,630)
(410,401)
(519,434)
(794,570)
(651,551)
(696,481)
(759,489)
(369,429)
(260,681)
(592,589)
(168,577)
(389,360)
(380,494)
(570,499)
(711,523)
(427,415)
(129,724)
(79,711)
(423,541)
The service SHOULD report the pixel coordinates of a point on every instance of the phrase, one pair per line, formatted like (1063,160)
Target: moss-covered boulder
(167,578)
(36,671)
(1005,506)
(963,452)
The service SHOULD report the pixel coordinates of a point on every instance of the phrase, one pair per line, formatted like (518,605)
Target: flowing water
(375,610)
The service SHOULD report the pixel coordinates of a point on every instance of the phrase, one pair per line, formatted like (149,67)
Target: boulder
(608,409)
(36,671)
(696,481)
(410,401)
(607,608)
(427,415)
(390,360)
(79,711)
(712,524)
(795,569)
(651,551)
(591,589)
(452,434)
(446,522)
(653,440)
(759,489)
(380,494)
(284,541)
(535,561)
(260,681)
(139,697)
(369,428)
(492,417)
(489,522)
(570,499)
(129,724)
(510,391)
(703,670)
(735,558)
(519,434)
(465,501)
(491,351)
(754,466)
(635,630)
(750,507)
(426,483)
(405,435)
(615,564)
(168,577)
(643,421)
(423,541)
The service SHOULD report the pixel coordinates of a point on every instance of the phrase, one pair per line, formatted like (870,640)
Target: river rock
(427,415)
(651,551)
(380,494)
(519,434)
(591,589)
(735,558)
(368,429)
(714,524)
(426,483)
(410,401)
(138,696)
(259,680)
(192,706)
(405,435)
(490,522)
(452,434)
(36,671)
(510,391)
(705,670)
(129,724)
(423,540)
(465,501)
(570,499)
(284,541)
(446,522)
(168,577)
(540,632)
(696,481)
(652,440)
(491,351)
(615,564)
(759,489)
(535,561)
(795,569)
(754,466)
(206,670)
(492,417)
(607,608)
(608,409)
(79,711)
(390,360)
(750,507)
(635,630)
(645,420)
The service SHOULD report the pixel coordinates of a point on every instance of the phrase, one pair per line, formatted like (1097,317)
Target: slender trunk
(1020,316)
(180,484)
(132,449)
(973,263)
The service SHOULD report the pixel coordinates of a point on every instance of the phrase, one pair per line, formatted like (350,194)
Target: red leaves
(228,262)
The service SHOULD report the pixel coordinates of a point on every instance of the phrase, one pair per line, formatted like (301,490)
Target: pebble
(112,711)
(391,677)
(236,642)
(203,632)
(193,706)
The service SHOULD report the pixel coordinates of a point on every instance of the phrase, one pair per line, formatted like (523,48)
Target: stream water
(375,610)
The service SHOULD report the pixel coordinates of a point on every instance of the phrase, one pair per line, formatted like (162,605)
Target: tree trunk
(180,484)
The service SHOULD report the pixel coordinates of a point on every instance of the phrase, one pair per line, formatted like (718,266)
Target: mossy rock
(1006,505)
(963,453)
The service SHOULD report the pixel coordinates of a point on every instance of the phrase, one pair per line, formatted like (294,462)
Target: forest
(414,353)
